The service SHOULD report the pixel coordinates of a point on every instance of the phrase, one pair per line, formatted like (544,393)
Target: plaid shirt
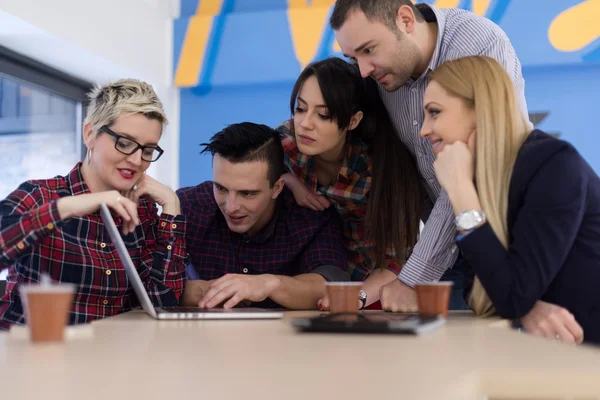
(349,196)
(34,240)
(296,241)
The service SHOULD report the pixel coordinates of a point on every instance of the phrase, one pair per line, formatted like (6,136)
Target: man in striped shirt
(397,44)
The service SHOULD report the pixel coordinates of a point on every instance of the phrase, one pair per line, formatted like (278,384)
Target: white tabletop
(133,356)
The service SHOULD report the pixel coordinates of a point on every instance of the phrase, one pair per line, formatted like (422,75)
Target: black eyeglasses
(129,146)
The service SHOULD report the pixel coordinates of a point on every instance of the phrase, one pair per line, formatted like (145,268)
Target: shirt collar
(432,14)
(75,181)
(302,160)
(269,229)
(356,151)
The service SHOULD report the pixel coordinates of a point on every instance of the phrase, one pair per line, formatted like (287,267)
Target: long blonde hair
(483,84)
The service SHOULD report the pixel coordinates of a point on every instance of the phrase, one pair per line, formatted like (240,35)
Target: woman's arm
(542,237)
(30,214)
(303,195)
(376,280)
(164,255)
(27,216)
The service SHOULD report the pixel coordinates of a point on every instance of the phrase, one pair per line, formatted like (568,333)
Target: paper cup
(47,310)
(343,296)
(433,297)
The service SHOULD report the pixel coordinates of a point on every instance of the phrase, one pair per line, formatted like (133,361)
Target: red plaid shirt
(78,250)
(349,196)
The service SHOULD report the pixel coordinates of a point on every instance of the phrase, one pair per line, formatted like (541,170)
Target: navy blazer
(554,236)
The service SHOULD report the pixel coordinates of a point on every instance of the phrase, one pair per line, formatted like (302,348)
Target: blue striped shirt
(460,33)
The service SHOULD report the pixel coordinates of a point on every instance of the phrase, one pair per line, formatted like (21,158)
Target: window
(41,112)
(39,133)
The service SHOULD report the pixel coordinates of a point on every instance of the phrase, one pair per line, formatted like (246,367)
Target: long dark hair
(395,201)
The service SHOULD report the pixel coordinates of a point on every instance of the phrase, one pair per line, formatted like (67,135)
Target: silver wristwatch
(362,297)
(468,220)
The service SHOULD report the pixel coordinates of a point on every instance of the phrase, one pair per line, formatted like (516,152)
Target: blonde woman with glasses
(527,204)
(53,227)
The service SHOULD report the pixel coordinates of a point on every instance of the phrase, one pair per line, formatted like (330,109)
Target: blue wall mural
(236,60)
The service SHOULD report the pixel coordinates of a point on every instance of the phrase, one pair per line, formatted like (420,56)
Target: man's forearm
(298,292)
(436,249)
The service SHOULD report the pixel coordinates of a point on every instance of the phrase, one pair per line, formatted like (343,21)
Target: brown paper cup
(433,297)
(47,310)
(343,296)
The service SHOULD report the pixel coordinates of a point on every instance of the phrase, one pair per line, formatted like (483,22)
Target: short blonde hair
(484,85)
(125,96)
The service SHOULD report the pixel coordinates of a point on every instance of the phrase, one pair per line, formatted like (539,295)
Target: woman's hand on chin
(160,193)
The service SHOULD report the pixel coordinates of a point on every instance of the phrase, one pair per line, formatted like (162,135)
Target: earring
(89,155)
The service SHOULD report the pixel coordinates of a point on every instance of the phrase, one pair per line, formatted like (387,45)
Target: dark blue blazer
(554,236)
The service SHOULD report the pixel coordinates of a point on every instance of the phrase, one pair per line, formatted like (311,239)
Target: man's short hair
(383,11)
(125,96)
(248,142)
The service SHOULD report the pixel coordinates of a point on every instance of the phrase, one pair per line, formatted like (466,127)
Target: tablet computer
(370,322)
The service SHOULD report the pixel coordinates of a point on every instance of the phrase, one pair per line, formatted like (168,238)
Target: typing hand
(193,292)
(398,297)
(552,322)
(236,288)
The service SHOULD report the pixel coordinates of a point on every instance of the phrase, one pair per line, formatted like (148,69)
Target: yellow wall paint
(323,3)
(570,31)
(307,24)
(209,7)
(192,51)
(447,3)
(576,27)
(480,7)
(308,3)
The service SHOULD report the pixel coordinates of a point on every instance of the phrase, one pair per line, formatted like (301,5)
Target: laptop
(174,313)
(370,322)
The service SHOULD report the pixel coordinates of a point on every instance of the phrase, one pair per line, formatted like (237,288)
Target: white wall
(103,40)
(99,41)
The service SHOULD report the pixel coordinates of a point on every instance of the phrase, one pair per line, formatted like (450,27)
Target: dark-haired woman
(341,150)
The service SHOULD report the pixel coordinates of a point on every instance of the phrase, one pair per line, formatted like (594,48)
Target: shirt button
(169,247)
(50,226)
(20,246)
(103,245)
(415,122)
(105,302)
(174,226)
(163,224)
(245,270)
(108,272)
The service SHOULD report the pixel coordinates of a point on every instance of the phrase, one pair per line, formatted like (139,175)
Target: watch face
(469,220)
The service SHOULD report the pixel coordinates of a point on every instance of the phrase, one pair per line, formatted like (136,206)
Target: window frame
(30,71)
